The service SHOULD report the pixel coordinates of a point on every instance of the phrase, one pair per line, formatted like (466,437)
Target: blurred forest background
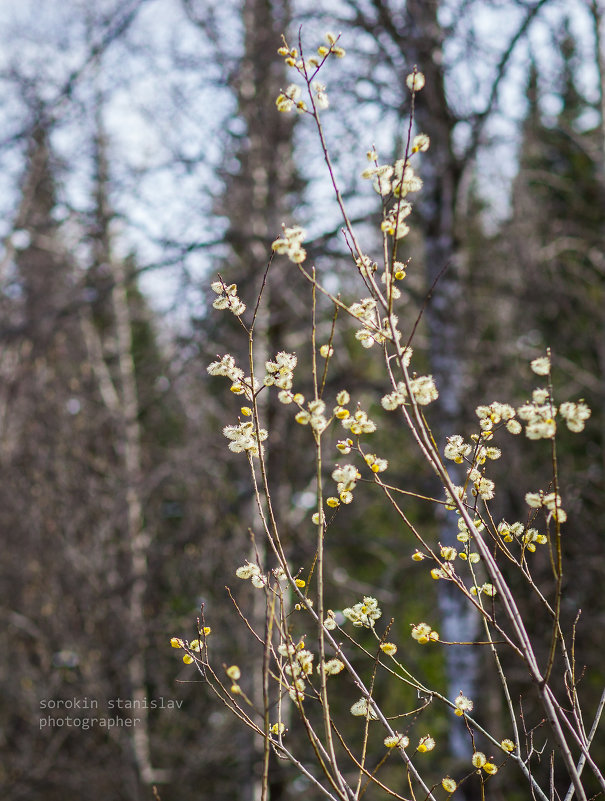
(140,154)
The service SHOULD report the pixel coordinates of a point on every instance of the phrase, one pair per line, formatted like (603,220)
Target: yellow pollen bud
(508,745)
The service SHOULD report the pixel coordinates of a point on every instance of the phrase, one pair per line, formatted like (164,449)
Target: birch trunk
(120,394)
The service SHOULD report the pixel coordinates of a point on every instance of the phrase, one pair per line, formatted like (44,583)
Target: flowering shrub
(301,674)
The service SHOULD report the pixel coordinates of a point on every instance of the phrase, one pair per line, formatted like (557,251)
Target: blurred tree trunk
(126,412)
(59,579)
(416,36)
(443,254)
(404,36)
(258,197)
